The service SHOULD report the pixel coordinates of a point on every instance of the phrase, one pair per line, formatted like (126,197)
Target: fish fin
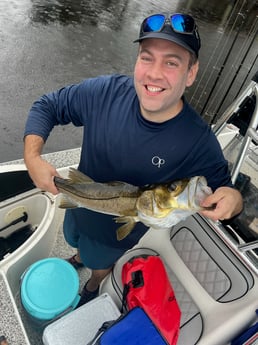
(77,176)
(125,229)
(67,203)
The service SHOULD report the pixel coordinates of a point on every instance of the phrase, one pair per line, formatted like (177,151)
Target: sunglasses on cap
(180,23)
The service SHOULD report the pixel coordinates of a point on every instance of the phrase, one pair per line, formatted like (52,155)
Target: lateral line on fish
(94,197)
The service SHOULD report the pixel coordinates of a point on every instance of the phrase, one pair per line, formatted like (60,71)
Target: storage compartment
(45,218)
(42,218)
(14,180)
(19,220)
(32,218)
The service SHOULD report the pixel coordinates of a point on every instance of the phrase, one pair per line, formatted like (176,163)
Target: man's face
(161,75)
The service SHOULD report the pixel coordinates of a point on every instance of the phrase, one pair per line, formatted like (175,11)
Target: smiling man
(139,130)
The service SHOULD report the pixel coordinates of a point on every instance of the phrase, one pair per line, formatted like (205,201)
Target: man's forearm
(40,171)
(33,145)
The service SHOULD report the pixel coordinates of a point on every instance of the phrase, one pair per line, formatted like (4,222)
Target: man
(139,130)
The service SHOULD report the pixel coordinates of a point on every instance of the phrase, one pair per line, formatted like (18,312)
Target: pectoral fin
(125,229)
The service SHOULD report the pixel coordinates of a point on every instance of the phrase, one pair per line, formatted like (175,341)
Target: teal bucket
(49,289)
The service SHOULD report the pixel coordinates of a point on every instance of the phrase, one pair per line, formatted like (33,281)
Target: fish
(158,206)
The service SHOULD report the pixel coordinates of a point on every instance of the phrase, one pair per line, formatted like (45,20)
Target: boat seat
(211,284)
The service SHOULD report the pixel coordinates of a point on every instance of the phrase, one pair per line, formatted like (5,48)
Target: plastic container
(49,289)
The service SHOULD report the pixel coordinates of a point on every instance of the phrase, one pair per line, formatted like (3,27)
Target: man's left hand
(228,203)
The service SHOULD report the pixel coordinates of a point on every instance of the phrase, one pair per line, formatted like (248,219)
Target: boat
(212,266)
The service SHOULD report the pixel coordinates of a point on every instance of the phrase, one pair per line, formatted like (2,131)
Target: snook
(158,206)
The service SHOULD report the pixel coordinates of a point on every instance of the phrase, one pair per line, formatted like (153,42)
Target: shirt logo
(157,161)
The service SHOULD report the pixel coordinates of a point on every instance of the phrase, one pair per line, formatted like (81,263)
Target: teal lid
(49,287)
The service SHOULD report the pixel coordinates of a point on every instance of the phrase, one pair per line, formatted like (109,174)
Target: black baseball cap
(178,28)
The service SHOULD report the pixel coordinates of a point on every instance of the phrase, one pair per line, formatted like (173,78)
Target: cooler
(81,325)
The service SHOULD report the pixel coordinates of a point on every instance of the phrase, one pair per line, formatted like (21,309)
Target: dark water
(46,44)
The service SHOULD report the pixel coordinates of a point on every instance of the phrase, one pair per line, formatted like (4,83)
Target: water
(46,44)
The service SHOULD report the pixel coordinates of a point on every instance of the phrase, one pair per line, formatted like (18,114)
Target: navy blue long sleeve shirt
(119,144)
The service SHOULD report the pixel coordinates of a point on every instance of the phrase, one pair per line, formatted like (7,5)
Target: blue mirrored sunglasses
(181,23)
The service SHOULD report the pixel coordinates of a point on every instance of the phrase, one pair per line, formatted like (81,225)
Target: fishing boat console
(213,266)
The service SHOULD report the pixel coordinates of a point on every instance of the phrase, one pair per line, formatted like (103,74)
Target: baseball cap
(178,28)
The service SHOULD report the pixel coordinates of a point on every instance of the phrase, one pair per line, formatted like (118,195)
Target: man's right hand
(42,174)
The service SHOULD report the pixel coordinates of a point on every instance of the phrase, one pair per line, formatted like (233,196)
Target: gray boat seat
(214,289)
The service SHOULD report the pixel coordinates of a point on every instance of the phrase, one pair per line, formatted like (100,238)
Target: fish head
(166,195)
(159,200)
(164,205)
(186,194)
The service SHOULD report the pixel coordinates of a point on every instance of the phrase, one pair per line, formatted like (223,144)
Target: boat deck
(17,328)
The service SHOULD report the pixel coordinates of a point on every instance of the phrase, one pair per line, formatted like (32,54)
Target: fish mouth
(198,191)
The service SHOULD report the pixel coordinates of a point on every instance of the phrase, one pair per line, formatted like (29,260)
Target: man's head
(167,63)
(178,28)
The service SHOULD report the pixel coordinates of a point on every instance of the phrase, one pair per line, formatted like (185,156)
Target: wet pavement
(46,44)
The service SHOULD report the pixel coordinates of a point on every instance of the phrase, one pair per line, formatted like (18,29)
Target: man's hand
(228,203)
(42,174)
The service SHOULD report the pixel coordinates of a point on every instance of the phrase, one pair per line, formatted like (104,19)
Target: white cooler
(81,325)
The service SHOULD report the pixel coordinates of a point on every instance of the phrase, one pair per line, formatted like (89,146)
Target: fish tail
(77,176)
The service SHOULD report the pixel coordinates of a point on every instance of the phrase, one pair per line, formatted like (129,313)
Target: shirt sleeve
(70,104)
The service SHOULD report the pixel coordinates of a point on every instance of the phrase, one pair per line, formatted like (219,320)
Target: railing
(249,136)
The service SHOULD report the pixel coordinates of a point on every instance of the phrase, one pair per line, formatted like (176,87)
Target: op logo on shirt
(157,161)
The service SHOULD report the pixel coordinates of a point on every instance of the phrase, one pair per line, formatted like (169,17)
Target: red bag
(146,285)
